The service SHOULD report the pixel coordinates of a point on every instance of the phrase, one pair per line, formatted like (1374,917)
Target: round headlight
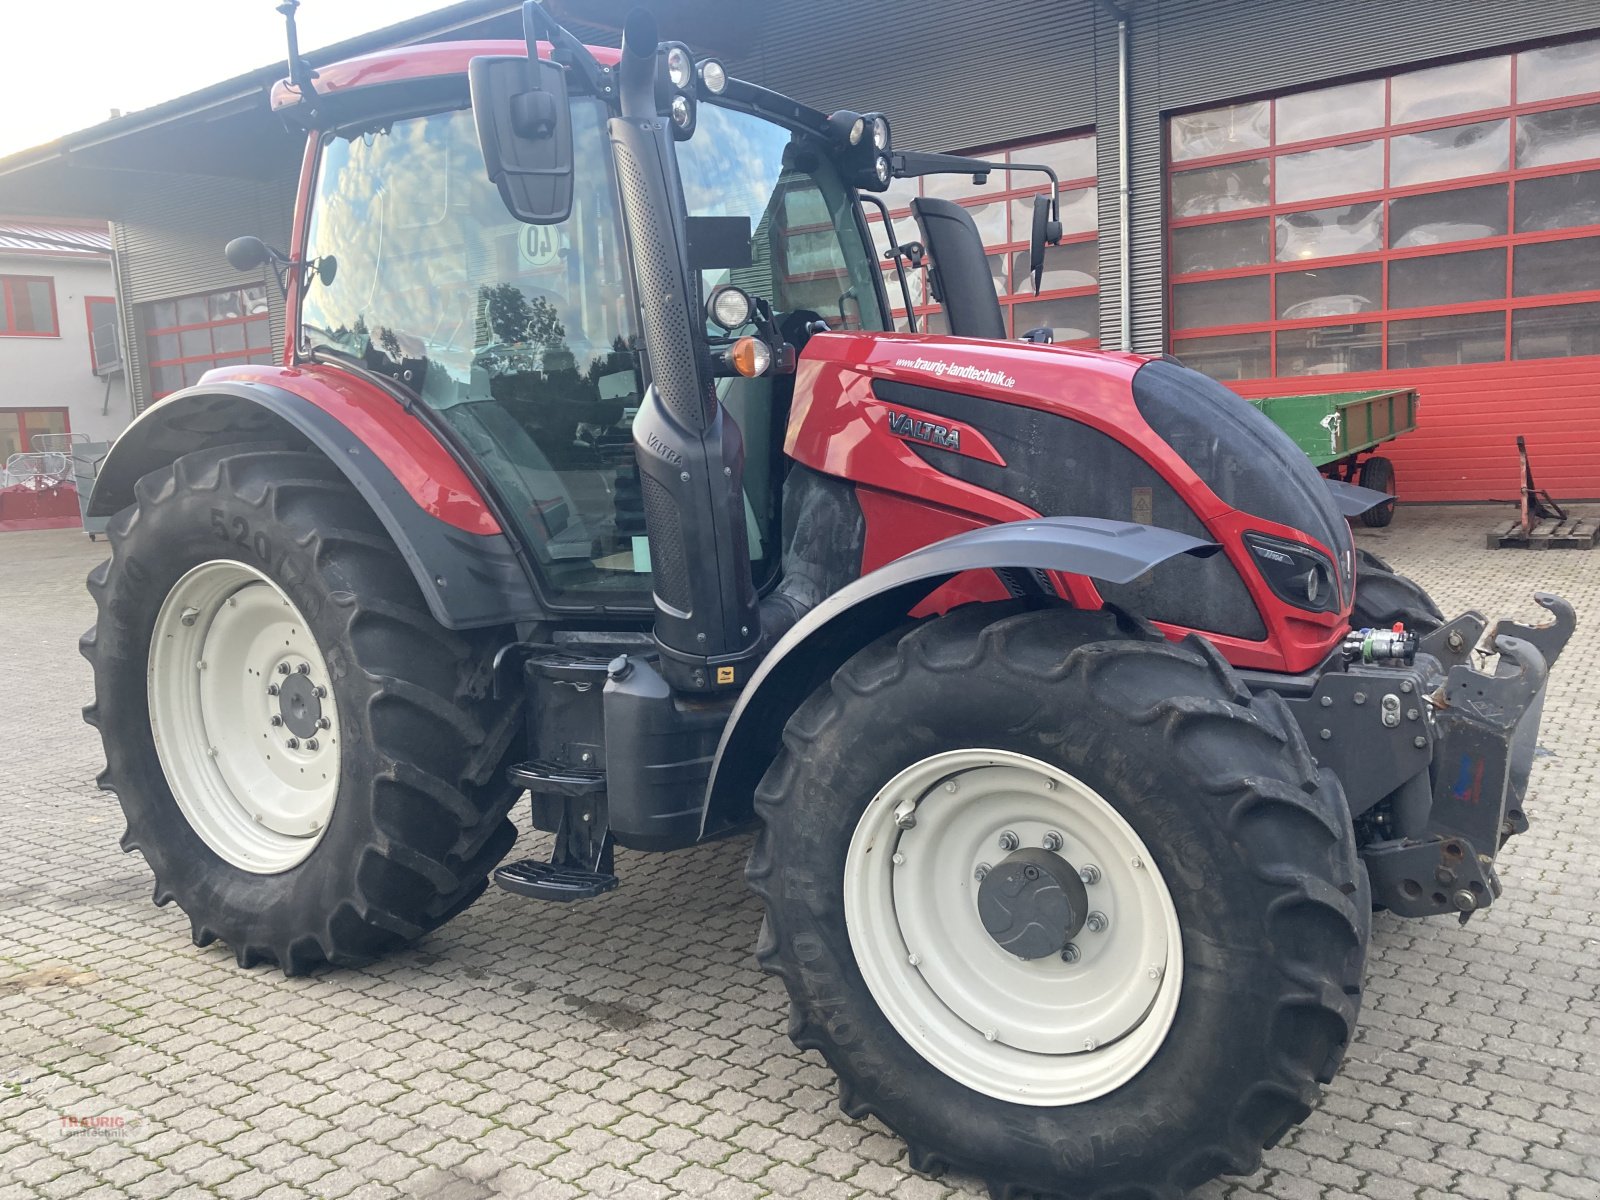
(882,169)
(858,131)
(714,76)
(880,133)
(681,111)
(680,67)
(730,307)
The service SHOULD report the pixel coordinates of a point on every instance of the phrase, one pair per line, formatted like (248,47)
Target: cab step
(548,881)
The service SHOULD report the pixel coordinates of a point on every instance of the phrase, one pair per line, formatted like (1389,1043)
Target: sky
(66,65)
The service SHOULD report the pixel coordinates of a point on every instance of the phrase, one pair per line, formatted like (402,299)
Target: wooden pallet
(1575,533)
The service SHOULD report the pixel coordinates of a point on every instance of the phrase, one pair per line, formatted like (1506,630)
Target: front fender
(462,560)
(855,616)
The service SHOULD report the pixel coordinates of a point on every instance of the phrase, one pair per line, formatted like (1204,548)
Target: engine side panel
(999,431)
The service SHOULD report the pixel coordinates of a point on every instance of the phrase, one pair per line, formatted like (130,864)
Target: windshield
(520,336)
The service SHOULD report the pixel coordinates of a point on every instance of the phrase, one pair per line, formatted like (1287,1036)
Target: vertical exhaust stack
(691,456)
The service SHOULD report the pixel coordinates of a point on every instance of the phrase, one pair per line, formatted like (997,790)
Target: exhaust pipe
(690,455)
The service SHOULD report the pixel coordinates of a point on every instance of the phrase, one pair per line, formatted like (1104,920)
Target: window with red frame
(185,338)
(1002,209)
(101,313)
(28,306)
(1431,218)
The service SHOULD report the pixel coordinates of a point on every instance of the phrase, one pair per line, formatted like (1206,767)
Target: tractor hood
(1007,431)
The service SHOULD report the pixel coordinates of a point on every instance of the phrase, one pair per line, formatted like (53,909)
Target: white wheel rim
(1040,1032)
(243,716)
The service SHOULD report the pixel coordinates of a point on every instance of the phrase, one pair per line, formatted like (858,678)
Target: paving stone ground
(628,1046)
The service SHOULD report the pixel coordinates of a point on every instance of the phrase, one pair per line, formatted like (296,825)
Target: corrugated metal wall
(1191,53)
(172,246)
(950,74)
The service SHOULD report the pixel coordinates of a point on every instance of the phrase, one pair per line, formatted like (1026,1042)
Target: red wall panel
(1465,446)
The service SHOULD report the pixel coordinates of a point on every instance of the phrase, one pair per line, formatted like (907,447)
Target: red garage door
(1439,228)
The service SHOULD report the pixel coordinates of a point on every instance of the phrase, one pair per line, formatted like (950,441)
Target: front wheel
(308,762)
(1062,904)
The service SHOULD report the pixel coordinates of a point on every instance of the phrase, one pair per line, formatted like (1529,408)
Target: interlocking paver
(628,1047)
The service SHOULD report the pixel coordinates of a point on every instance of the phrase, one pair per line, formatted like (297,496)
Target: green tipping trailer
(1339,430)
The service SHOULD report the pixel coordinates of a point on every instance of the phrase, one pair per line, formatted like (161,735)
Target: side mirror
(247,253)
(525,133)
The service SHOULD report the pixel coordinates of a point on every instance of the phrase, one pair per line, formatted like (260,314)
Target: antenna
(300,71)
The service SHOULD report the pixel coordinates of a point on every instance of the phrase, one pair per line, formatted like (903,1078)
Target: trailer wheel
(306,759)
(1377,473)
(1384,597)
(1060,903)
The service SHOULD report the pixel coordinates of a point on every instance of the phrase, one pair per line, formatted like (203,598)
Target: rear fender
(857,615)
(461,558)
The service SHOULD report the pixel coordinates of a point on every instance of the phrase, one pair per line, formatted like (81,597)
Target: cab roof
(402,63)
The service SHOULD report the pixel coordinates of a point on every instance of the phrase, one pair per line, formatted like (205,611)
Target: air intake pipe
(690,455)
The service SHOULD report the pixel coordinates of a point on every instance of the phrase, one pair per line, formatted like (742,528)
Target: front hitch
(1455,782)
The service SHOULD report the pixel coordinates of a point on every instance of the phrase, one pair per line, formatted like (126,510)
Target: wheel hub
(1033,903)
(299,705)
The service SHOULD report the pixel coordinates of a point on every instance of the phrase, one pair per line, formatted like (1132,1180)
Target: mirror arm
(1055,196)
(564,47)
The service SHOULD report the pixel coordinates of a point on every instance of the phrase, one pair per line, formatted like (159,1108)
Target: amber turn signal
(750,357)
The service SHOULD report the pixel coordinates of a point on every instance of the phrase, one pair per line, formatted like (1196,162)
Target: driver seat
(959,269)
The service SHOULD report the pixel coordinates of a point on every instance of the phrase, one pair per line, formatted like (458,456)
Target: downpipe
(690,455)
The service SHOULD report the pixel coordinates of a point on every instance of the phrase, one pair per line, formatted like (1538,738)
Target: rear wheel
(309,763)
(1377,473)
(1062,904)
(1384,597)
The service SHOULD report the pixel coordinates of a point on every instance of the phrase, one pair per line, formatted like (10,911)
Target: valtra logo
(906,426)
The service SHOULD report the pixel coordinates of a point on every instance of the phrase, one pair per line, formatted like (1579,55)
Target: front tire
(1181,783)
(309,763)
(1385,597)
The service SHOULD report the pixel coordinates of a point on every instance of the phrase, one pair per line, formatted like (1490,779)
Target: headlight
(858,130)
(1296,574)
(880,133)
(881,169)
(730,307)
(680,67)
(714,76)
(681,112)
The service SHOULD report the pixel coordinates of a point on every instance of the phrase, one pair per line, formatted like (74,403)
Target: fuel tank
(939,434)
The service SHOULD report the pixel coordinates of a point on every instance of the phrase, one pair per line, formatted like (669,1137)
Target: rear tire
(416,817)
(1254,847)
(1377,473)
(1384,597)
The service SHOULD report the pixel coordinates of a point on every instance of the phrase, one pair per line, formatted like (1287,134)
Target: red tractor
(1078,739)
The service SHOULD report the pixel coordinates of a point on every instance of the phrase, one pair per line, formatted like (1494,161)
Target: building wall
(57,372)
(173,248)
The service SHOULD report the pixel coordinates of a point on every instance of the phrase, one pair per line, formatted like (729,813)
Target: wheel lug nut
(311,744)
(1052,842)
(980,872)
(320,692)
(1089,874)
(274,720)
(324,723)
(283,668)
(1008,840)
(294,743)
(304,668)
(1069,953)
(1096,921)
(272,689)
